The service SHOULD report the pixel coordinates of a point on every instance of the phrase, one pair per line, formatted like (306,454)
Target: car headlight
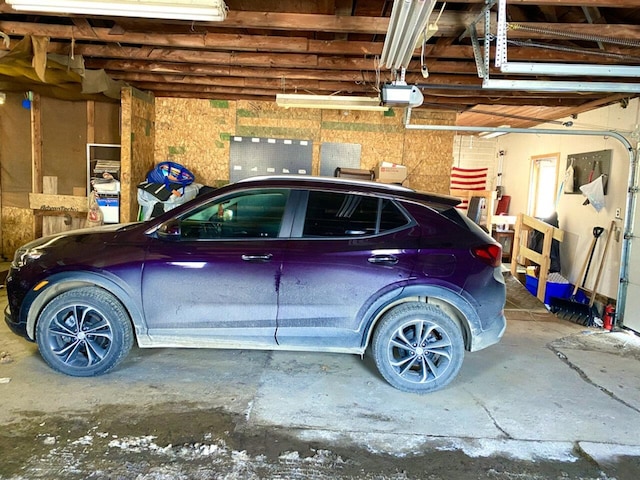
(24,256)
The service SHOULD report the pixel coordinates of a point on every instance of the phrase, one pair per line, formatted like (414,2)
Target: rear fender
(458,308)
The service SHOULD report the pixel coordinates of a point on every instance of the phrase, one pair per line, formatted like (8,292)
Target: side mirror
(169,230)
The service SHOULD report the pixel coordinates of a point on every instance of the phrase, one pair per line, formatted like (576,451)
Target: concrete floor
(552,400)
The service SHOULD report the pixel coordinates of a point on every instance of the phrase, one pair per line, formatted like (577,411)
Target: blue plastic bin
(557,290)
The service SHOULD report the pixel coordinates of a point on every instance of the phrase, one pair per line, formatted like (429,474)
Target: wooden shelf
(521,252)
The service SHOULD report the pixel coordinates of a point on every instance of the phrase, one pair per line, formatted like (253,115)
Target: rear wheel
(84,332)
(418,348)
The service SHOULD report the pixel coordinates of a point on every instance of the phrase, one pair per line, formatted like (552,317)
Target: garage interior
(141,91)
(153,86)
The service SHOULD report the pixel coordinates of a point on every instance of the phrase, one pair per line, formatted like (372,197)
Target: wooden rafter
(332,46)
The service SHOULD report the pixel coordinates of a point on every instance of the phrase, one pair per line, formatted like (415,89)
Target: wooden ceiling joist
(329,46)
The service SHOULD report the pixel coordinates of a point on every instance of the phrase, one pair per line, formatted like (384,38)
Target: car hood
(89,247)
(101,234)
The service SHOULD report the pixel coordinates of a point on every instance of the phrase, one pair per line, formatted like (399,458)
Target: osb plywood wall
(428,155)
(17,229)
(64,143)
(196,133)
(138,131)
(15,159)
(64,127)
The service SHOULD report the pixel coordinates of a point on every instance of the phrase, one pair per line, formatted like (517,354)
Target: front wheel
(418,348)
(84,332)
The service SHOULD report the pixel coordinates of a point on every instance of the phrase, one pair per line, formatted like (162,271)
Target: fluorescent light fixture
(558,86)
(408,20)
(200,10)
(331,102)
(3,98)
(526,68)
(493,133)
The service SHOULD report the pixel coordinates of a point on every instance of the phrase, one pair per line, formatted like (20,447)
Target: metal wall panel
(334,155)
(251,156)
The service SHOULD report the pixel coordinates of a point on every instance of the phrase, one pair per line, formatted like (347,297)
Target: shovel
(570,308)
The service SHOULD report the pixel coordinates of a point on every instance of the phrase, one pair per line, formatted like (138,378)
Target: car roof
(361,186)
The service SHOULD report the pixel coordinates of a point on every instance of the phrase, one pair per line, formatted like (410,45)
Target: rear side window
(331,214)
(391,217)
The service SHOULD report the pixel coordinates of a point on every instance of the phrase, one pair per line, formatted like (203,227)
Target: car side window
(251,214)
(391,217)
(331,214)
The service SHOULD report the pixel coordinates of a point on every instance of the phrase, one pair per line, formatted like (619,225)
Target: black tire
(418,348)
(84,332)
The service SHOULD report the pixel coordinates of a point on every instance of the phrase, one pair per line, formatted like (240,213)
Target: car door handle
(383,259)
(257,258)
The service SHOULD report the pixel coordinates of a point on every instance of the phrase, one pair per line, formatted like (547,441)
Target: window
(253,214)
(337,215)
(391,217)
(543,184)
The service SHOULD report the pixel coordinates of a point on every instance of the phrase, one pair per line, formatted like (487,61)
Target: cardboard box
(390,173)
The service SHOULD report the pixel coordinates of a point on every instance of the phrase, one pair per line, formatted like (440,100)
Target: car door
(216,278)
(347,249)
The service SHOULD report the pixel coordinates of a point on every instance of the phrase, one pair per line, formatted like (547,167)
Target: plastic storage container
(558,290)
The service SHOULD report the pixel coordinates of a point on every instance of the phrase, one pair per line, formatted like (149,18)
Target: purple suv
(277,263)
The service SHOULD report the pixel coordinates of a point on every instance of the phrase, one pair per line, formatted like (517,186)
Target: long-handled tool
(597,232)
(596,283)
(571,308)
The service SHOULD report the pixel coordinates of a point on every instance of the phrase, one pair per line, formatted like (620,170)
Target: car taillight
(490,253)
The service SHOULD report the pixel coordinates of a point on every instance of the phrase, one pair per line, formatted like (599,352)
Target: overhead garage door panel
(632,304)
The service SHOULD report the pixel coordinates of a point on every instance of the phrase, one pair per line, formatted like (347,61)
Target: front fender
(37,298)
